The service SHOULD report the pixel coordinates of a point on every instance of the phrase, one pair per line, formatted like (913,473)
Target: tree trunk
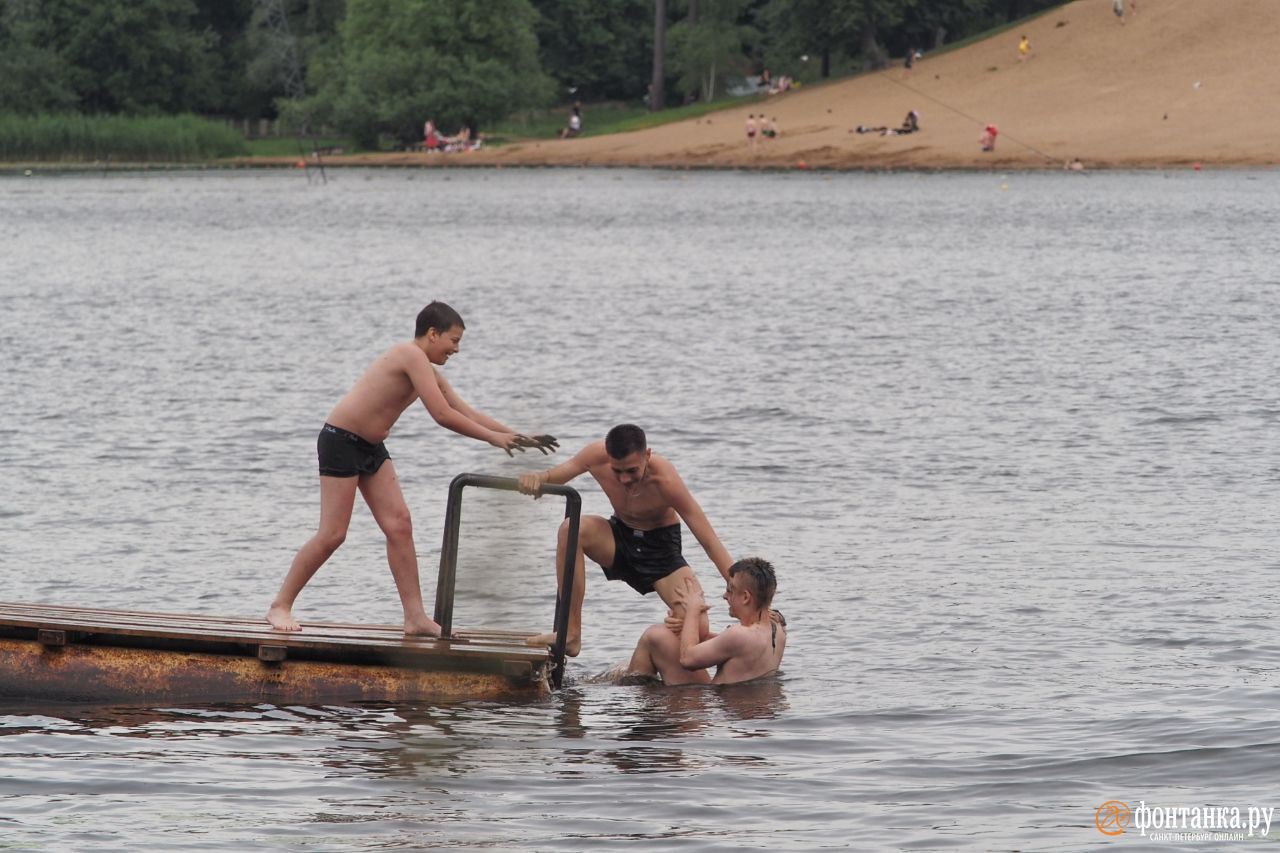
(693,11)
(657,89)
(826,63)
(872,54)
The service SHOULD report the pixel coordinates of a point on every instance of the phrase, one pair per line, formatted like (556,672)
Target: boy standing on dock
(352,456)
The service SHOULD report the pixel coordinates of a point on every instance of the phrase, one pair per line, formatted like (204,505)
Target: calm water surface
(1010,441)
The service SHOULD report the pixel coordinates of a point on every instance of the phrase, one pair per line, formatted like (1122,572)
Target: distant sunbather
(910,124)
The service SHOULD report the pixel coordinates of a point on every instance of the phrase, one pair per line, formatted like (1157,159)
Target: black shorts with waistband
(641,557)
(342,453)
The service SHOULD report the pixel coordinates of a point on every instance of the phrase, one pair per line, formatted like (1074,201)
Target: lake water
(1010,441)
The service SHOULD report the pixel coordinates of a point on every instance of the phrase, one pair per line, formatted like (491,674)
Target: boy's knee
(658,637)
(330,540)
(399,526)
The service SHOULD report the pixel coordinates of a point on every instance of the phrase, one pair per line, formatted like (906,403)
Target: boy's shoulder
(745,637)
(593,454)
(405,353)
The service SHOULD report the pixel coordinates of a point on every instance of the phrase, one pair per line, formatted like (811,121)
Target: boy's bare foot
(281,619)
(424,627)
(571,648)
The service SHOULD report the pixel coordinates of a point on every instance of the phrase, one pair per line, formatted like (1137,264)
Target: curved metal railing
(447,580)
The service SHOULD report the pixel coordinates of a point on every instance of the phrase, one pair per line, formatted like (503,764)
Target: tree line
(374,69)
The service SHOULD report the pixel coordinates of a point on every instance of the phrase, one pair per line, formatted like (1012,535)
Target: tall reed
(80,138)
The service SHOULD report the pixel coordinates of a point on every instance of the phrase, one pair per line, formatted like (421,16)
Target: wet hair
(761,580)
(437,316)
(623,440)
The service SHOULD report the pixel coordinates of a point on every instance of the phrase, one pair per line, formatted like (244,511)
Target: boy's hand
(690,595)
(530,483)
(545,443)
(507,441)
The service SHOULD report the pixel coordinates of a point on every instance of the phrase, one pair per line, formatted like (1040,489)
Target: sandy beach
(1181,82)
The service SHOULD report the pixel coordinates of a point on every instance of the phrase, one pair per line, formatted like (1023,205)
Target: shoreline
(1150,95)
(469,161)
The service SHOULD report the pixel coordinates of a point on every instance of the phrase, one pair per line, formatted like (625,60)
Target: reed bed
(80,138)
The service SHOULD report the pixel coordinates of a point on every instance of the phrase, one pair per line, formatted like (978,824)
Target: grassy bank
(605,118)
(77,138)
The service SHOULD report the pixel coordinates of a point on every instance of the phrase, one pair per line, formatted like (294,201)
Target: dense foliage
(378,68)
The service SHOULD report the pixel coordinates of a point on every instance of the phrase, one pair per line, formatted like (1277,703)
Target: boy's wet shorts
(641,557)
(345,454)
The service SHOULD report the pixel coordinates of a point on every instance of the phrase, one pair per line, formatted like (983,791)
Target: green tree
(596,49)
(260,54)
(819,28)
(33,77)
(457,62)
(710,44)
(134,56)
(831,28)
(928,23)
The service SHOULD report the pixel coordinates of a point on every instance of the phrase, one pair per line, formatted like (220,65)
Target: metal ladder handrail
(447,580)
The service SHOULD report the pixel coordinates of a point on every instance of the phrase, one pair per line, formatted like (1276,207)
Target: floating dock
(78,654)
(65,654)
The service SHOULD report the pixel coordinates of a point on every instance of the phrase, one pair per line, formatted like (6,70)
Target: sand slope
(1183,81)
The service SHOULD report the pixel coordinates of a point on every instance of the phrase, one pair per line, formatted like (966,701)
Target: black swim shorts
(641,557)
(345,454)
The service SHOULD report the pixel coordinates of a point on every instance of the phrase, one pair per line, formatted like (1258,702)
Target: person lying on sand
(910,124)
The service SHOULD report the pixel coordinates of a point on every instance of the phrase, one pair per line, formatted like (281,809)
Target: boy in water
(352,456)
(741,652)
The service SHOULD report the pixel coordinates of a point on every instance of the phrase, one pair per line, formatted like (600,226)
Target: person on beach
(1024,48)
(640,544)
(910,124)
(988,138)
(574,127)
(352,456)
(1117,6)
(751,132)
(750,649)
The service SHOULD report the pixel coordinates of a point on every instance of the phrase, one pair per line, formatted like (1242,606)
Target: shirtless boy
(352,456)
(640,544)
(741,652)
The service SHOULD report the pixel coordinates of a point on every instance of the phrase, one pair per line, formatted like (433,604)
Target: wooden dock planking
(363,632)
(200,627)
(215,655)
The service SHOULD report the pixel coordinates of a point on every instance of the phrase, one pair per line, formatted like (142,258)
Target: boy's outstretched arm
(696,654)
(426,383)
(690,512)
(532,482)
(545,443)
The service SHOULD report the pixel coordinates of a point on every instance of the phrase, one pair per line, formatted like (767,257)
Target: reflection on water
(1009,448)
